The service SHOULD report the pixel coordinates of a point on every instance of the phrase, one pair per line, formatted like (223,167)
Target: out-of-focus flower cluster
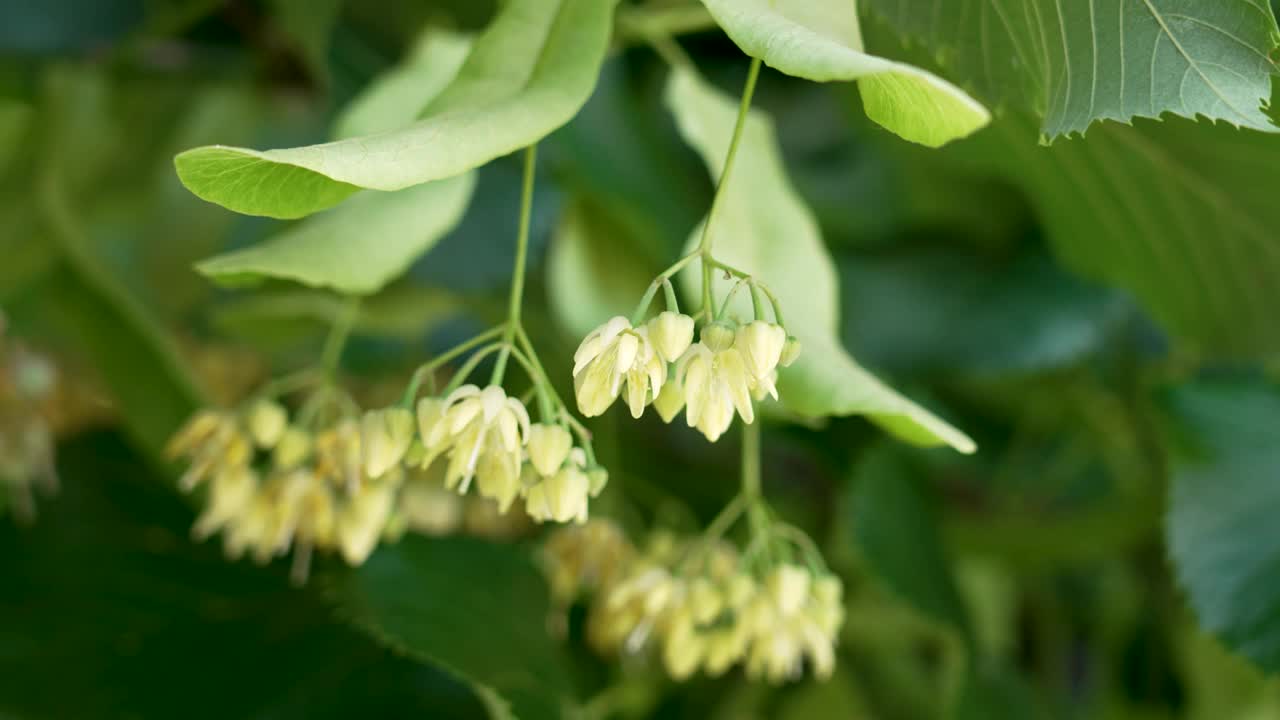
(26,441)
(277,483)
(696,604)
(659,363)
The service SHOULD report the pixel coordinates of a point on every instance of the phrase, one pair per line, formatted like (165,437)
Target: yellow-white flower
(715,384)
(761,346)
(384,437)
(670,400)
(611,355)
(230,493)
(798,617)
(480,431)
(562,496)
(293,448)
(214,443)
(362,519)
(338,455)
(267,421)
(671,334)
(549,447)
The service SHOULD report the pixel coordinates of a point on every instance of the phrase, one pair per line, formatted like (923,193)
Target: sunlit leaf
(765,228)
(1075,63)
(527,75)
(396,98)
(356,248)
(1222,532)
(820,40)
(476,609)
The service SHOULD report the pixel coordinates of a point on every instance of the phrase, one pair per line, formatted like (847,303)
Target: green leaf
(593,269)
(820,40)
(1075,63)
(474,608)
(895,524)
(357,248)
(765,228)
(1221,530)
(527,75)
(1178,213)
(109,610)
(397,97)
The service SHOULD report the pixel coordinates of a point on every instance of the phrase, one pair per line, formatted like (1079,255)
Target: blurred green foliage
(1095,314)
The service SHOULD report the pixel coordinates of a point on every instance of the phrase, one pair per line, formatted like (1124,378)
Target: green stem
(669,295)
(751,461)
(470,365)
(715,530)
(704,246)
(728,298)
(338,335)
(289,383)
(426,368)
(522,253)
(662,280)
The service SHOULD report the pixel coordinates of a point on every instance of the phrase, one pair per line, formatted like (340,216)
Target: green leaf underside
(819,40)
(472,628)
(1177,213)
(356,248)
(764,227)
(593,270)
(527,75)
(1078,62)
(1223,538)
(396,98)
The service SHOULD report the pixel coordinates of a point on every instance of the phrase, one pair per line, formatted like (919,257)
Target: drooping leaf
(1075,63)
(764,228)
(895,525)
(397,97)
(527,75)
(820,40)
(450,602)
(1222,534)
(108,609)
(356,248)
(1175,212)
(593,271)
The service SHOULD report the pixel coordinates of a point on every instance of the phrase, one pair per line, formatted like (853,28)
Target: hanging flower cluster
(26,441)
(698,603)
(659,363)
(486,435)
(274,485)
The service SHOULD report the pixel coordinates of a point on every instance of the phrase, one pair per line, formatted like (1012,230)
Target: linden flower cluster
(697,605)
(659,363)
(26,440)
(273,485)
(486,436)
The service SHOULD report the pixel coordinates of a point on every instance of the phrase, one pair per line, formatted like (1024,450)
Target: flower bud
(361,522)
(684,648)
(548,447)
(597,478)
(670,400)
(718,335)
(704,601)
(761,344)
(561,497)
(671,334)
(293,448)
(498,478)
(267,421)
(790,351)
(384,438)
(789,588)
(430,412)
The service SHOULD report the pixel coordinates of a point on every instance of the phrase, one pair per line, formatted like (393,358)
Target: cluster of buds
(659,363)
(26,440)
(486,436)
(274,486)
(697,605)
